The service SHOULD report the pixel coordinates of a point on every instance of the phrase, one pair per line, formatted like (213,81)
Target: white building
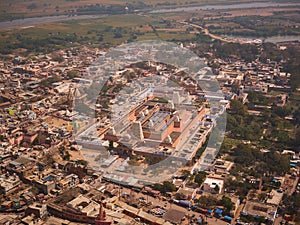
(213,185)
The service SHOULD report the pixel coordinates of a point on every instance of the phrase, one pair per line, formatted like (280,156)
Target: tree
(292,204)
(185,174)
(240,188)
(227,203)
(281,111)
(253,131)
(180,196)
(237,107)
(297,137)
(296,115)
(72,74)
(200,176)
(151,160)
(168,187)
(207,201)
(235,88)
(232,123)
(243,155)
(165,187)
(277,163)
(252,96)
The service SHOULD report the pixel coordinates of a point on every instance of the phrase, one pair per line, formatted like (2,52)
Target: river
(227,6)
(278,39)
(27,22)
(272,39)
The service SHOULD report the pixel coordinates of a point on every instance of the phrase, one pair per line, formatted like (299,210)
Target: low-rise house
(275,197)
(45,185)
(30,136)
(213,185)
(9,183)
(189,193)
(222,166)
(68,181)
(39,210)
(260,209)
(254,182)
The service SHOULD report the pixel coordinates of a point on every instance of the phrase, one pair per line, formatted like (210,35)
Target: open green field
(107,31)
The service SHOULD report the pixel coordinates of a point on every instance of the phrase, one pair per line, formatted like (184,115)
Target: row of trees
(208,202)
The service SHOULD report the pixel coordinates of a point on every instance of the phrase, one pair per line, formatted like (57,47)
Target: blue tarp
(219,211)
(209,211)
(185,203)
(199,221)
(228,218)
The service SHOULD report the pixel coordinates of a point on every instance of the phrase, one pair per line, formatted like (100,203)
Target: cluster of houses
(41,165)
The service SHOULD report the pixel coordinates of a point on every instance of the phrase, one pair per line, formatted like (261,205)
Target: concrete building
(39,210)
(260,209)
(9,183)
(213,185)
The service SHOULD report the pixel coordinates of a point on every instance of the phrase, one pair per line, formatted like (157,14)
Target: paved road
(206,32)
(241,206)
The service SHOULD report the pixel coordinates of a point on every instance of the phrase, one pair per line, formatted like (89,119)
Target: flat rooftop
(261,209)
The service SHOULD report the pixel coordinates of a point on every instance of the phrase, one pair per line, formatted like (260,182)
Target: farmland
(18,9)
